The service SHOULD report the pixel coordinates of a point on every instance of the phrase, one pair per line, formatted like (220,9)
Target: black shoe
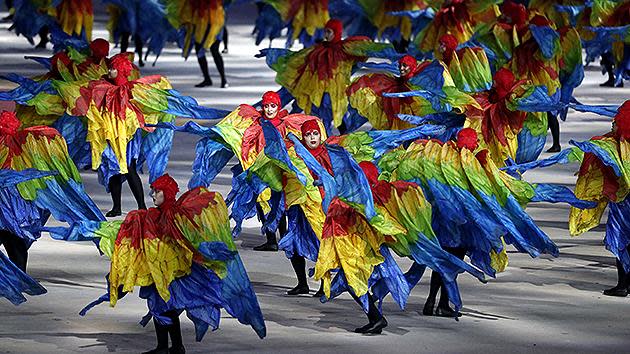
(224,51)
(113,213)
(373,328)
(204,83)
(298,290)
(177,350)
(554,149)
(41,44)
(319,293)
(446,312)
(141,63)
(616,291)
(271,247)
(428,308)
(609,83)
(8,18)
(224,84)
(157,351)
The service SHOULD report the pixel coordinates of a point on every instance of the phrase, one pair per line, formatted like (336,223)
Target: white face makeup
(313,139)
(442,48)
(158,197)
(329,35)
(271,110)
(404,69)
(113,73)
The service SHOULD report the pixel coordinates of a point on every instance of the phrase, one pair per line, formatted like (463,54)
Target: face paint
(271,110)
(404,69)
(329,34)
(158,197)
(313,139)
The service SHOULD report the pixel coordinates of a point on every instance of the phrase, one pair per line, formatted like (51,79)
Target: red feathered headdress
(449,42)
(411,62)
(168,185)
(622,120)
(517,13)
(271,97)
(370,170)
(9,124)
(467,138)
(310,125)
(337,27)
(504,82)
(99,48)
(121,63)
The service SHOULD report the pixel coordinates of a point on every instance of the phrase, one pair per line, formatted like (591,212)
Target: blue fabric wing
(14,282)
(552,193)
(547,38)
(186,106)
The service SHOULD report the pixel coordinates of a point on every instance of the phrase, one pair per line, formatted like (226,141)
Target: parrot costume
(318,76)
(422,89)
(182,257)
(303,19)
(56,189)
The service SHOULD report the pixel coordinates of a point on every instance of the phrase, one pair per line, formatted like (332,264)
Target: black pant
(174,329)
(437,282)
(554,126)
(373,314)
(135,184)
(218,60)
(16,248)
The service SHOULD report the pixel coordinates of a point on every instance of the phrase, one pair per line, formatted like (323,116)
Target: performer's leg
(376,320)
(16,248)
(608,64)
(554,126)
(444,309)
(621,289)
(271,244)
(175,331)
(299,266)
(115,189)
(135,184)
(203,65)
(43,35)
(225,40)
(218,61)
(436,283)
(161,333)
(124,41)
(137,42)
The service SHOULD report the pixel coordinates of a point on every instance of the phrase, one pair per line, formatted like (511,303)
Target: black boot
(436,283)
(218,61)
(115,189)
(271,245)
(376,320)
(135,184)
(320,292)
(161,333)
(621,289)
(299,266)
(203,65)
(175,332)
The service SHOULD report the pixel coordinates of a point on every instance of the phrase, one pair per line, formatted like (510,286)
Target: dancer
(602,179)
(116,111)
(202,24)
(26,206)
(477,209)
(318,76)
(381,98)
(182,257)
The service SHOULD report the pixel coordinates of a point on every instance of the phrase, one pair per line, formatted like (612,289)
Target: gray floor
(537,305)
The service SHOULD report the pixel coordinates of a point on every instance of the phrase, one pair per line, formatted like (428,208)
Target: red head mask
(122,64)
(310,125)
(449,42)
(9,124)
(271,97)
(503,83)
(168,186)
(370,170)
(337,27)
(622,120)
(517,13)
(411,62)
(467,138)
(99,48)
